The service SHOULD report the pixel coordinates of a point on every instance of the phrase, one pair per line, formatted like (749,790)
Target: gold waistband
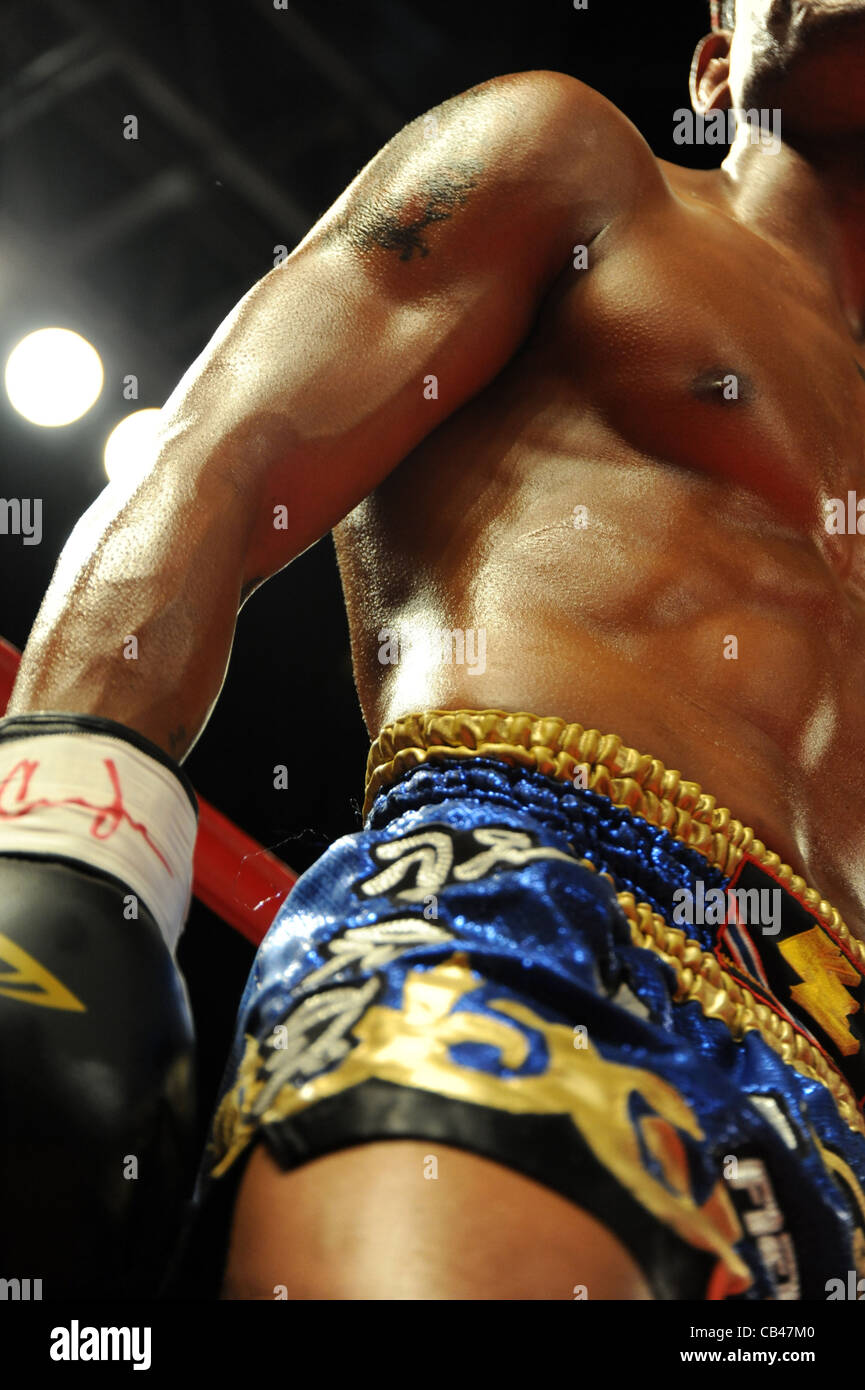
(663,798)
(559,750)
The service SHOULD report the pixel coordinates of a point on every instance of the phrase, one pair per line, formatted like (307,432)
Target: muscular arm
(433,262)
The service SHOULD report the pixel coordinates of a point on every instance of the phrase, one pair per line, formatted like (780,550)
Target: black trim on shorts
(546,1148)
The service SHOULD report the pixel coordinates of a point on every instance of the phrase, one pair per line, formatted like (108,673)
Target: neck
(811,199)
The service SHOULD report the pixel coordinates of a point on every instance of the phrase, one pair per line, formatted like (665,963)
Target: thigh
(414,1219)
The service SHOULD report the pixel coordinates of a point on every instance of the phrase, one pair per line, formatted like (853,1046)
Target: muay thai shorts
(547,949)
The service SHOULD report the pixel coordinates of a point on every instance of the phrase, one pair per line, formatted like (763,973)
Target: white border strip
(101,801)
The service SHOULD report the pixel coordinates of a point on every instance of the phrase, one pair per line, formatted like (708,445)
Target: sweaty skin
(700,391)
(697,389)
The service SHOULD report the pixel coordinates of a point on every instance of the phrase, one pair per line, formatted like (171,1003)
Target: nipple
(722,384)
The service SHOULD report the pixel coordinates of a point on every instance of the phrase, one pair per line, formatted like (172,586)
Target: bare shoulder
(558,104)
(528,147)
(571,121)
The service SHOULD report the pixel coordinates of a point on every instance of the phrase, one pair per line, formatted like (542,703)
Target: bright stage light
(130,448)
(53,376)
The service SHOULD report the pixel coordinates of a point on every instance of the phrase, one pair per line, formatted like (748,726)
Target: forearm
(138,621)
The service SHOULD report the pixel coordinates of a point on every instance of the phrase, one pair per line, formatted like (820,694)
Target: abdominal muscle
(669,611)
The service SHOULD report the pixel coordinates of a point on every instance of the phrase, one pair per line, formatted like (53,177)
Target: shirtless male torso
(545,386)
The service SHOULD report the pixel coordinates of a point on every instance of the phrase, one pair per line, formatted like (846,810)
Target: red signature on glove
(106,819)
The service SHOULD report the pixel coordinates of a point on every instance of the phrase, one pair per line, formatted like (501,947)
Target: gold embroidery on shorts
(411,1047)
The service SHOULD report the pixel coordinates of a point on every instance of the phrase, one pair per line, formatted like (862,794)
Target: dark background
(252,120)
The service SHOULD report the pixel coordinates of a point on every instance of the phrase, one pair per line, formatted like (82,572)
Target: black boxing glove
(97,830)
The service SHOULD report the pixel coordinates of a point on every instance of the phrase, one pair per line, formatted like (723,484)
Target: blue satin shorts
(511,963)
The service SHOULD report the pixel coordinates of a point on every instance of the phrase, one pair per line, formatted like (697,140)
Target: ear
(710,73)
